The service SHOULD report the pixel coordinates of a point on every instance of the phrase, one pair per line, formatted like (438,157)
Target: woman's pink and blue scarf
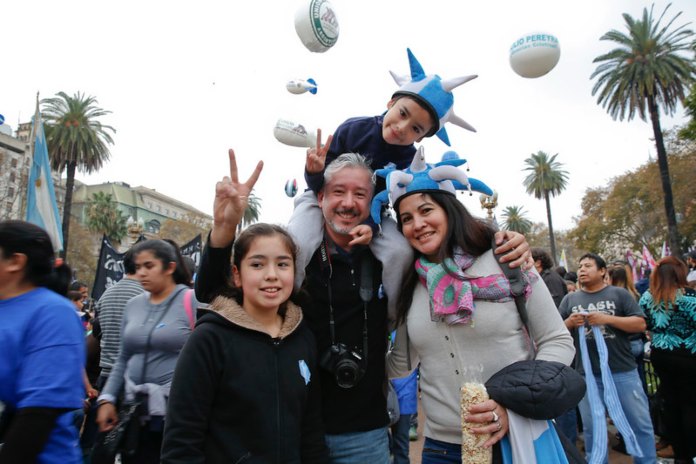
(452,291)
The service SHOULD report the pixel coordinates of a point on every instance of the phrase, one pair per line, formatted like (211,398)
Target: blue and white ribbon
(611,398)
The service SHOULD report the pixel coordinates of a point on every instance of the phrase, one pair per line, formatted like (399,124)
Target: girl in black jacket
(245,389)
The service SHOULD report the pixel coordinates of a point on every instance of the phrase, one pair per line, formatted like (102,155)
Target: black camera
(348,366)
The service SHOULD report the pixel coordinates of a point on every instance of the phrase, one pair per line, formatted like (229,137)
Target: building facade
(144,205)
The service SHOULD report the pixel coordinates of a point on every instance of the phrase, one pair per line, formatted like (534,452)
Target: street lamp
(489,202)
(135,228)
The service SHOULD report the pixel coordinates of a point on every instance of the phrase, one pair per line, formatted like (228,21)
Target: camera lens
(347,372)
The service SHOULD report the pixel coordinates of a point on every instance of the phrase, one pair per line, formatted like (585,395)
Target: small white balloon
(535,54)
(316,25)
(300,86)
(294,134)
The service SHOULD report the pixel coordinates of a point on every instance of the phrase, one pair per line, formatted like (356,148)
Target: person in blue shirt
(41,351)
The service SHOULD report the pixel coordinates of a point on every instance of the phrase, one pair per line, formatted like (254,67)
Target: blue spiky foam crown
(422,177)
(434,93)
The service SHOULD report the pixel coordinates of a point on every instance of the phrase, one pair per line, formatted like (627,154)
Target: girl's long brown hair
(621,275)
(666,279)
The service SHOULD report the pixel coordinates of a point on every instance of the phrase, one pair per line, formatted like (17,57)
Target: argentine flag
(531,441)
(42,209)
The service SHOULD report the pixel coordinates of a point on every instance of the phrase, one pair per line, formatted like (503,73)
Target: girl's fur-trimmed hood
(229,309)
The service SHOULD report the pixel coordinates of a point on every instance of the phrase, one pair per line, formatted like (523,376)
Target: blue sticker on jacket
(304,371)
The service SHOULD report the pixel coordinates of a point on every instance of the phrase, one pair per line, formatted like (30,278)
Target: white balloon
(534,54)
(316,25)
(294,134)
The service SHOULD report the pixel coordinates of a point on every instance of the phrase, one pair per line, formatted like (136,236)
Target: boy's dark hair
(129,262)
(539,254)
(599,261)
(571,276)
(464,231)
(76,285)
(74,295)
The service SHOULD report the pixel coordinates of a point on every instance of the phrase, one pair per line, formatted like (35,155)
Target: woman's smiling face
(424,224)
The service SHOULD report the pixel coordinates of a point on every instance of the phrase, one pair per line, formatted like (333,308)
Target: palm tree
(103,216)
(651,67)
(251,213)
(546,178)
(76,140)
(515,220)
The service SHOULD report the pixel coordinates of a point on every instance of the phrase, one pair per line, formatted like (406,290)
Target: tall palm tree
(251,213)
(652,67)
(76,140)
(546,178)
(514,218)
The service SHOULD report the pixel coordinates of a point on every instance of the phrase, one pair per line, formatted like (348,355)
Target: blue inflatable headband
(434,94)
(422,177)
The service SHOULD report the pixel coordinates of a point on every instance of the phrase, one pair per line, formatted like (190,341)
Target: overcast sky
(187,80)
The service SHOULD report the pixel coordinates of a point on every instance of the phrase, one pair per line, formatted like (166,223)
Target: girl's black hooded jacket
(240,396)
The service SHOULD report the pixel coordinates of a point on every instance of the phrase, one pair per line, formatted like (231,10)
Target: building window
(8,205)
(10,191)
(12,177)
(14,162)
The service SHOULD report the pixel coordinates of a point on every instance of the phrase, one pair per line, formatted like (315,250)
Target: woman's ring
(500,426)
(495,417)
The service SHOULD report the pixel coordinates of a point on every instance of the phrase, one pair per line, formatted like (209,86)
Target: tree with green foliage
(546,178)
(104,217)
(626,213)
(648,72)
(76,140)
(514,218)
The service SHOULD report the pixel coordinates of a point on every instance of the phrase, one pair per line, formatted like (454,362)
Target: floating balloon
(316,25)
(299,86)
(535,54)
(2,119)
(291,188)
(294,134)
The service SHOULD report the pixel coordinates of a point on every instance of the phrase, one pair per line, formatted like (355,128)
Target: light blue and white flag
(42,208)
(531,441)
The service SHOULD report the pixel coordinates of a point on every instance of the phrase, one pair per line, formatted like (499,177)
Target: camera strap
(366,289)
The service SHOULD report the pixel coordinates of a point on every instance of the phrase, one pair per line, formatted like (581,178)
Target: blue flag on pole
(42,208)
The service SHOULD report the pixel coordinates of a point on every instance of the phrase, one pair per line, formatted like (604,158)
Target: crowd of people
(281,352)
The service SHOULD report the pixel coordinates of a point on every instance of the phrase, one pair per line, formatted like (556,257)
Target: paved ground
(614,457)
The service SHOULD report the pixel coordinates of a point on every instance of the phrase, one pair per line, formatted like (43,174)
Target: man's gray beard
(337,229)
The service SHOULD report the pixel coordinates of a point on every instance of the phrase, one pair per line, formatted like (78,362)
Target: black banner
(110,265)
(193,249)
(109,268)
